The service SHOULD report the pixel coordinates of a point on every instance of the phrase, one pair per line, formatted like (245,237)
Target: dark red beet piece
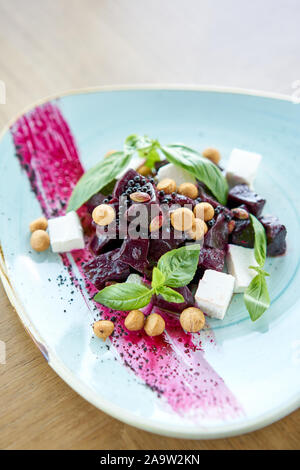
(104,242)
(276,235)
(189,301)
(134,253)
(217,236)
(242,194)
(242,234)
(106,267)
(211,258)
(123,182)
(160,246)
(95,201)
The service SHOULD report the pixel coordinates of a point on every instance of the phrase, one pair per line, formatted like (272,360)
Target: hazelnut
(204,211)
(198,230)
(38,224)
(189,190)
(40,240)
(144,170)
(192,319)
(109,153)
(240,213)
(167,185)
(103,328)
(135,320)
(103,214)
(231,226)
(139,196)
(212,154)
(182,219)
(155,325)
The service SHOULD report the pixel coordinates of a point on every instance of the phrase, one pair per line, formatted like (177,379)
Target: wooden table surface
(47,46)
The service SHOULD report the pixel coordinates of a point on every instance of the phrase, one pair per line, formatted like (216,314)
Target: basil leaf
(260,241)
(151,156)
(124,296)
(202,168)
(170,295)
(256,297)
(97,178)
(158,278)
(179,265)
(146,148)
(135,142)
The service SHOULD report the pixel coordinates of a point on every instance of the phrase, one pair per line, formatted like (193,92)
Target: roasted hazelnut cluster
(40,240)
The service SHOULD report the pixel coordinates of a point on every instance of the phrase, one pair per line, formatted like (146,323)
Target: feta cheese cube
(179,175)
(242,167)
(238,260)
(66,233)
(214,293)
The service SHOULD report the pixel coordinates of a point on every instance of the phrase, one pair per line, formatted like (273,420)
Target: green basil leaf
(256,297)
(158,278)
(124,296)
(97,178)
(179,265)
(152,156)
(145,147)
(259,270)
(170,295)
(202,168)
(260,241)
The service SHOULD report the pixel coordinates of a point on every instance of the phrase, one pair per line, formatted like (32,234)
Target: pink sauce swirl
(173,364)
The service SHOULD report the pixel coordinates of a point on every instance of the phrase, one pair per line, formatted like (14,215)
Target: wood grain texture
(53,45)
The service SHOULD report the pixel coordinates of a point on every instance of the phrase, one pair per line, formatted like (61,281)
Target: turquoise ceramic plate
(235,376)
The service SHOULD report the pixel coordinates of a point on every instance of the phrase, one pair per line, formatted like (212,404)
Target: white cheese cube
(179,175)
(66,233)
(242,167)
(238,260)
(214,293)
(135,279)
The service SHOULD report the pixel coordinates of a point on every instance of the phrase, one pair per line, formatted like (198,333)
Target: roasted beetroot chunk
(211,258)
(123,182)
(95,201)
(103,242)
(106,267)
(276,234)
(133,252)
(217,236)
(159,246)
(189,301)
(242,234)
(242,194)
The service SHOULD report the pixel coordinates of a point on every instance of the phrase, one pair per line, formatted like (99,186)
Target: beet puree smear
(173,364)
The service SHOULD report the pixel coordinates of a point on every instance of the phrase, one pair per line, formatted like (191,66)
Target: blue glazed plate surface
(259,362)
